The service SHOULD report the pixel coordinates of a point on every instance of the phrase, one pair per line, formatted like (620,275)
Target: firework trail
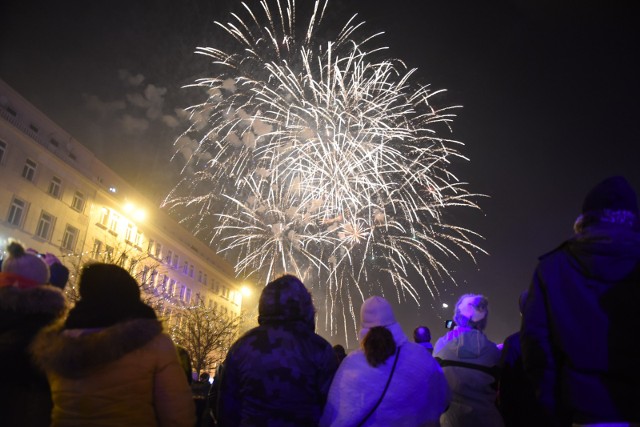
(319,159)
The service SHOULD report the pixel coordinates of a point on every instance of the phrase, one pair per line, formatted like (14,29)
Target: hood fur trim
(74,353)
(43,299)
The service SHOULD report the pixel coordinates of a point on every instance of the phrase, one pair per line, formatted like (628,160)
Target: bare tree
(205,333)
(126,256)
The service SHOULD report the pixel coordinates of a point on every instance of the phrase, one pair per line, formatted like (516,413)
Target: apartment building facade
(57,197)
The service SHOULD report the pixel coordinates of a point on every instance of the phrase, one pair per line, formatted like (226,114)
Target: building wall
(93,214)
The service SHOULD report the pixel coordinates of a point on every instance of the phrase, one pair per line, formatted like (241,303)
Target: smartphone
(448,324)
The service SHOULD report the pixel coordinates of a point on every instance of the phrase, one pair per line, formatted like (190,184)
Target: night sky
(550,93)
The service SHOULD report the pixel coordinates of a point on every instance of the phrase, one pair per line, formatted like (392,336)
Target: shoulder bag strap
(395,362)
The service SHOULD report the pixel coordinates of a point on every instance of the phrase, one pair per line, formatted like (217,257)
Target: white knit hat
(376,311)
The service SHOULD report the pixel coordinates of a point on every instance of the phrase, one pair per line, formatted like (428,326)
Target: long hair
(378,345)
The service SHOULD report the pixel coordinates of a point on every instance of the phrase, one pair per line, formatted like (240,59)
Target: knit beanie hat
(614,193)
(471,311)
(28,269)
(376,311)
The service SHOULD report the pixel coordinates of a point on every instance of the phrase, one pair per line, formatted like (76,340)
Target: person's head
(340,352)
(377,342)
(471,311)
(108,295)
(204,377)
(421,334)
(23,269)
(611,201)
(286,299)
(378,345)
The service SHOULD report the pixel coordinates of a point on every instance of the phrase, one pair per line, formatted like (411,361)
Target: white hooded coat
(416,396)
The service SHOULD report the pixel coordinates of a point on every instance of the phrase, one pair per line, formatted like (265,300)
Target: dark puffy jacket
(279,373)
(25,399)
(580,324)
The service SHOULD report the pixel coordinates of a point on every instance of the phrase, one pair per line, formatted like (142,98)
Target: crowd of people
(107,362)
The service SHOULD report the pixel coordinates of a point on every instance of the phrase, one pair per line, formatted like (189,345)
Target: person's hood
(42,300)
(606,252)
(74,353)
(396,330)
(464,343)
(286,301)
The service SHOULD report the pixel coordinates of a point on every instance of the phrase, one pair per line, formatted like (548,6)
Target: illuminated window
(70,238)
(54,187)
(104,217)
(78,202)
(29,170)
(158,252)
(45,225)
(17,212)
(128,233)
(113,224)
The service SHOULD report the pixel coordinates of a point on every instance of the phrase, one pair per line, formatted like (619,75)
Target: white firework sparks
(320,160)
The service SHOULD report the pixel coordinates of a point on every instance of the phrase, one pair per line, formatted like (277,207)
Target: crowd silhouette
(107,362)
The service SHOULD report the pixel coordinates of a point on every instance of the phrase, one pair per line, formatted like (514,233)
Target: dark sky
(549,90)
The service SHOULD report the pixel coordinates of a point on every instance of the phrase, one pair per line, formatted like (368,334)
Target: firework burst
(320,159)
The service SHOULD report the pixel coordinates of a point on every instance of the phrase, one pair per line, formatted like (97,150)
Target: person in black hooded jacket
(579,325)
(278,373)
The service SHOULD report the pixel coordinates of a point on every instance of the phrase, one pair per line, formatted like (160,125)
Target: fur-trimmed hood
(74,353)
(45,300)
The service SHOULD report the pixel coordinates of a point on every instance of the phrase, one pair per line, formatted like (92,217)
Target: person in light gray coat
(470,364)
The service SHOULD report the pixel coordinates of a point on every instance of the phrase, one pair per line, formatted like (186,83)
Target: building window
(17,212)
(108,253)
(138,239)
(3,150)
(78,201)
(29,170)
(151,247)
(191,271)
(45,226)
(172,287)
(169,256)
(158,251)
(145,274)
(175,261)
(187,296)
(54,187)
(183,291)
(104,217)
(199,276)
(204,279)
(113,225)
(185,267)
(54,142)
(70,238)
(34,128)
(152,279)
(97,249)
(128,234)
